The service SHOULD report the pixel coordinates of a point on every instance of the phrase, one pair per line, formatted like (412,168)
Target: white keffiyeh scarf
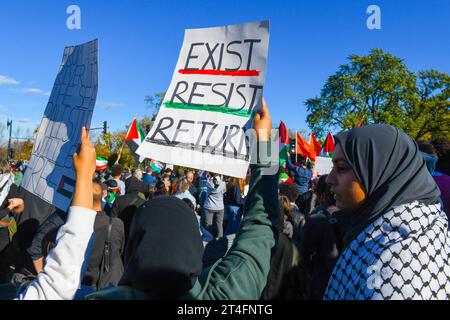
(6,180)
(404,254)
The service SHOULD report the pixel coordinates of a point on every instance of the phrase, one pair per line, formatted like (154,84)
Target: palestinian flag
(66,187)
(328,147)
(134,138)
(283,143)
(101,163)
(157,166)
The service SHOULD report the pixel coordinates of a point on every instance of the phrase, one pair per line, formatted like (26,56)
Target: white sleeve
(61,276)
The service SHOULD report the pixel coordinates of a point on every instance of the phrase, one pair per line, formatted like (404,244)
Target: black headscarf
(163,256)
(389,165)
(133,185)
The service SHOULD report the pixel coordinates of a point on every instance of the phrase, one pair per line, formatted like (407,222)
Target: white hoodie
(61,276)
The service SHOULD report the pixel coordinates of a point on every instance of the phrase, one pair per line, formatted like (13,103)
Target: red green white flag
(283,143)
(101,163)
(134,138)
(328,147)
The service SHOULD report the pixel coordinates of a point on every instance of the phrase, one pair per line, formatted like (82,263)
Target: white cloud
(7,80)
(110,105)
(30,91)
(24,120)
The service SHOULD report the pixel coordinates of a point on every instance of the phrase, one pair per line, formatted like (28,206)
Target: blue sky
(139,44)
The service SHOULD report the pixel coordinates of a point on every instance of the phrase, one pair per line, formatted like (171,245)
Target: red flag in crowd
(328,146)
(283,143)
(314,146)
(303,148)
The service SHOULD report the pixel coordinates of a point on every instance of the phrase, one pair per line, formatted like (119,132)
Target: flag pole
(296,146)
(120,152)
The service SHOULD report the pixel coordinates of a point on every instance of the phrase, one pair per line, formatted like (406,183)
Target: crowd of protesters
(162,234)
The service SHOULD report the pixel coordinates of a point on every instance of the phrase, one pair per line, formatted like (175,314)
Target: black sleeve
(119,234)
(51,224)
(238,196)
(308,244)
(115,211)
(4,212)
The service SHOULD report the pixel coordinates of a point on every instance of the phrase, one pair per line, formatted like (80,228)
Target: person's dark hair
(189,203)
(111,184)
(117,170)
(149,190)
(289,190)
(324,194)
(442,147)
(426,147)
(160,189)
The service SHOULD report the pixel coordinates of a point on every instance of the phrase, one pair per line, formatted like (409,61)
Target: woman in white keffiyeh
(398,245)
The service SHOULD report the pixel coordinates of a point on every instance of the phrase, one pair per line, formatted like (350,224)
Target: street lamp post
(9,124)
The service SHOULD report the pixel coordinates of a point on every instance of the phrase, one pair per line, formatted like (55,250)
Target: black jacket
(4,211)
(125,206)
(117,239)
(46,233)
(233,197)
(318,250)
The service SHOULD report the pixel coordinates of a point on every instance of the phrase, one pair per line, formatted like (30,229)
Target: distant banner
(50,174)
(215,91)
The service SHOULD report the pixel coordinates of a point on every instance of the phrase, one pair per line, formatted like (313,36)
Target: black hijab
(163,255)
(133,185)
(389,165)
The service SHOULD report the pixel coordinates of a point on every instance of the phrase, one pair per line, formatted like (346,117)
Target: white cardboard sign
(50,174)
(323,165)
(216,88)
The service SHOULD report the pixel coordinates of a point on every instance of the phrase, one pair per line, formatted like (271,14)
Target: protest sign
(50,174)
(216,88)
(323,165)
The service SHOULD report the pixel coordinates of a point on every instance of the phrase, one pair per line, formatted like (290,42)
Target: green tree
(154,102)
(428,113)
(146,124)
(110,145)
(23,150)
(380,87)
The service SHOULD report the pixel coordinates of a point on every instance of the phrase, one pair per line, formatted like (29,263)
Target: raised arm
(62,271)
(242,273)
(289,163)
